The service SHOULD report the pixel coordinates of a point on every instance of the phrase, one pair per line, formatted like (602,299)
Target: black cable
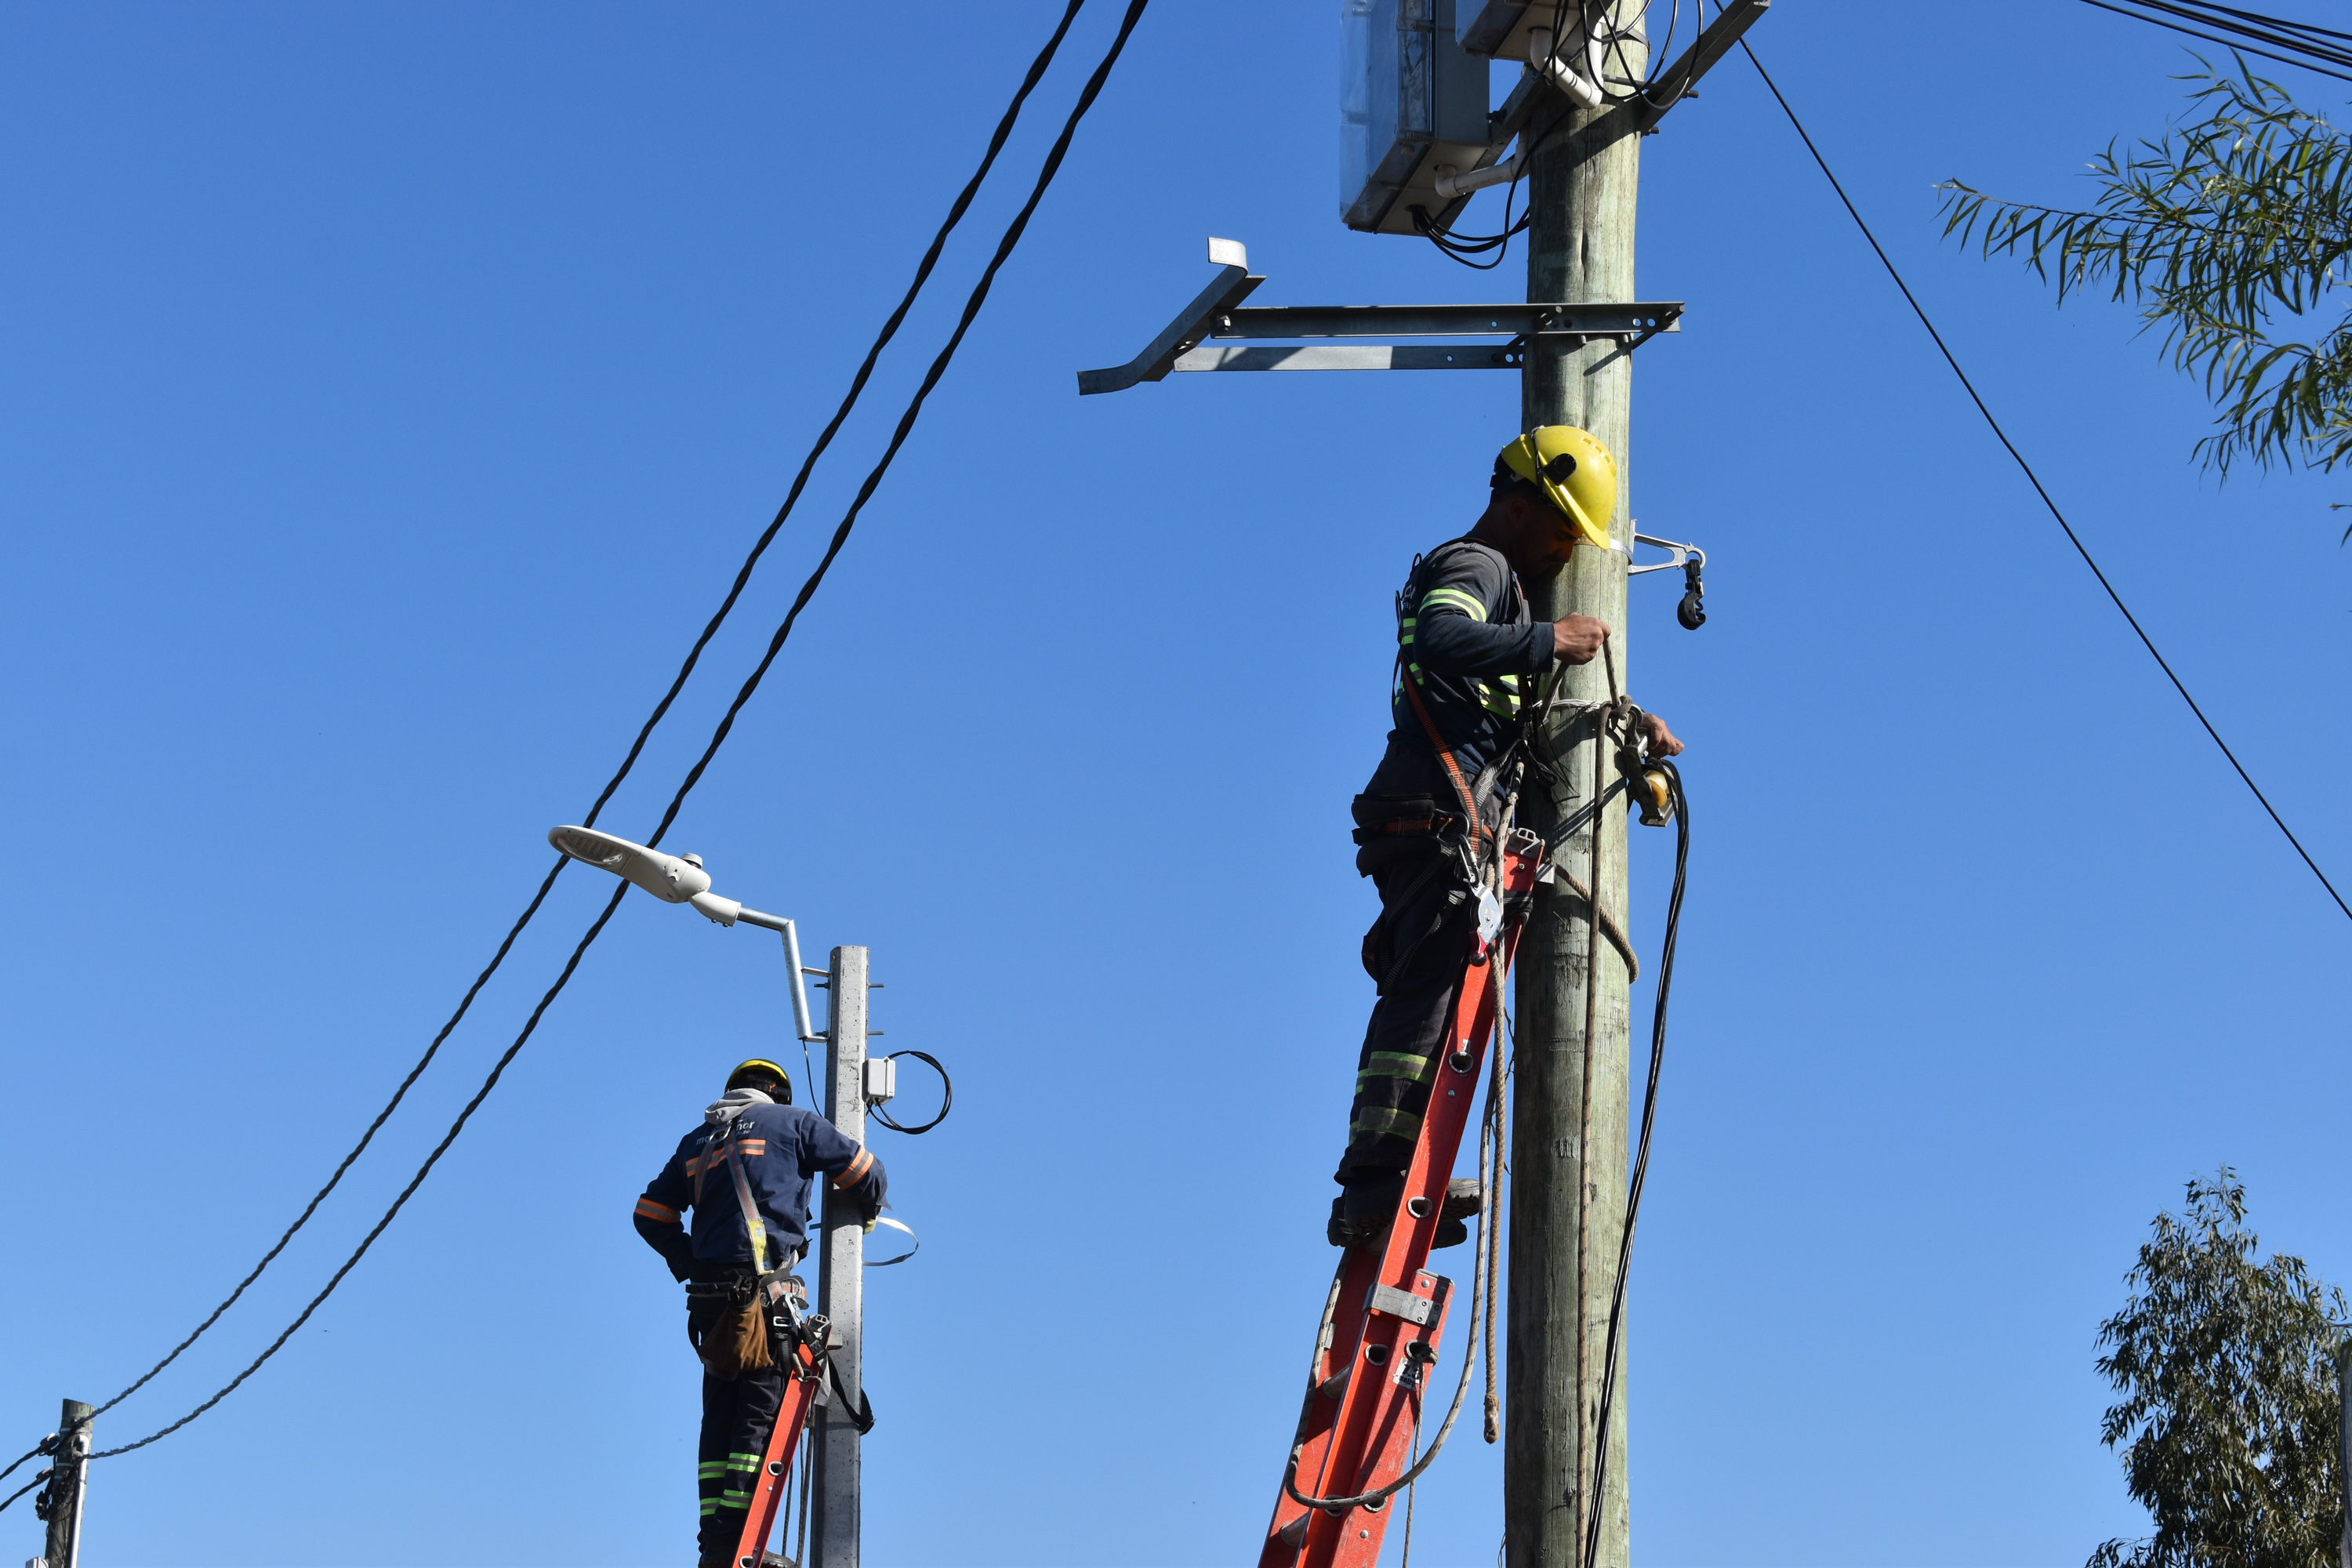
(35,1452)
(913,408)
(405,1193)
(20,1491)
(2209,37)
(923,269)
(2035,480)
(1012,237)
(2277,22)
(2253,25)
(1641,1163)
(1459,248)
(947,1096)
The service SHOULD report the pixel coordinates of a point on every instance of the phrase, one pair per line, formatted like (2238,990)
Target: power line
(956,211)
(2298,37)
(2035,480)
(1012,237)
(405,1193)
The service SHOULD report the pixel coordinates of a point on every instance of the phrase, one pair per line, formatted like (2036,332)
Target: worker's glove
(869,1204)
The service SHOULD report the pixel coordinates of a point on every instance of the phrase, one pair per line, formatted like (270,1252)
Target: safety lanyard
(1478,826)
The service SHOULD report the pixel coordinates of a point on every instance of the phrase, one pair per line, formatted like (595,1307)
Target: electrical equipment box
(1498,30)
(1411,98)
(881,1079)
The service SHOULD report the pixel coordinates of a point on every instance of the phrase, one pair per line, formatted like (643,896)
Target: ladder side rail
(776,1464)
(1345,1472)
(1330,1462)
(1392,1449)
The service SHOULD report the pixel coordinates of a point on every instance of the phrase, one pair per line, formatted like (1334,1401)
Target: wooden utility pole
(69,1475)
(840,1287)
(2344,1445)
(1570,1096)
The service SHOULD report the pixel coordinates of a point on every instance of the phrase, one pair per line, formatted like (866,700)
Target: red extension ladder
(1380,1338)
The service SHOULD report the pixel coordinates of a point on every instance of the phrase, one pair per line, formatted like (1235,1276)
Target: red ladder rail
(800,1389)
(1380,1333)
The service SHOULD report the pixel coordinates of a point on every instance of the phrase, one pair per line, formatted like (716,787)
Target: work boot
(1463,1198)
(1365,1208)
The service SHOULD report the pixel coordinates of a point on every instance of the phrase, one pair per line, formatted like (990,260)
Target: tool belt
(727,1323)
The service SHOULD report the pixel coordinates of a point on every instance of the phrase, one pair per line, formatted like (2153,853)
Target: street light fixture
(681,880)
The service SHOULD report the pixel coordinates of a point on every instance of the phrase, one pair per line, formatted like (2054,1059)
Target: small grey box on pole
(841,1288)
(69,1476)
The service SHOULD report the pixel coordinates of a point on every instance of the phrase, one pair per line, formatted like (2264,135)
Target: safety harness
(1477,854)
(781,1294)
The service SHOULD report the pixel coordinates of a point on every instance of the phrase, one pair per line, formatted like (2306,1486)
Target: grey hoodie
(732,1104)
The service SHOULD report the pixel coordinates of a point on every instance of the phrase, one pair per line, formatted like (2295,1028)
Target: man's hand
(1578,638)
(1657,739)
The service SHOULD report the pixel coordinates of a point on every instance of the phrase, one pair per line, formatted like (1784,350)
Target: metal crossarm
(1198,339)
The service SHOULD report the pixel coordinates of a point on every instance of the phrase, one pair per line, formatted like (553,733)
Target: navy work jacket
(781,1148)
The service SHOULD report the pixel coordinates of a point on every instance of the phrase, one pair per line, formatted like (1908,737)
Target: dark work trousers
(737,1420)
(1417,953)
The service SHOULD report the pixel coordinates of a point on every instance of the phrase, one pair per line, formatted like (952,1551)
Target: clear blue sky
(386,395)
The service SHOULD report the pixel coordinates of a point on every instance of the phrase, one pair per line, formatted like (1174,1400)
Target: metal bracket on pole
(1187,343)
(1233,285)
(1682,553)
(1713,42)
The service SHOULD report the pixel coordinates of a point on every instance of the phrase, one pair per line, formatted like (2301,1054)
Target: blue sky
(386,397)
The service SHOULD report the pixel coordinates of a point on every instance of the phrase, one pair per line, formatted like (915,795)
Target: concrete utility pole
(841,1288)
(1569,1103)
(69,1478)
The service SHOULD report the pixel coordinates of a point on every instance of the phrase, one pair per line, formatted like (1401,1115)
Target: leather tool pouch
(729,1331)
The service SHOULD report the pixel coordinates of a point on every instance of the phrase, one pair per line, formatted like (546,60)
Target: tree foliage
(2230,232)
(2229,1421)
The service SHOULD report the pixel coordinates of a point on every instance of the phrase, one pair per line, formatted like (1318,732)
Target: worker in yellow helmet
(1470,661)
(743,1176)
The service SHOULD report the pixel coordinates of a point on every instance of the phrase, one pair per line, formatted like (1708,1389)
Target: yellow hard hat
(1575,470)
(759,1069)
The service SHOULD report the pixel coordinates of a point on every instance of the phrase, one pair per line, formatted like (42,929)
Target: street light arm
(681,880)
(792,961)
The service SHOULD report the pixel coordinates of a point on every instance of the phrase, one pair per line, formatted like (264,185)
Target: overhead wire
(2308,53)
(2277,22)
(923,271)
(2035,481)
(977,297)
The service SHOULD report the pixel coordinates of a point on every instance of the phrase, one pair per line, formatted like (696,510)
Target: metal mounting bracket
(1501,29)
(1216,313)
(1682,552)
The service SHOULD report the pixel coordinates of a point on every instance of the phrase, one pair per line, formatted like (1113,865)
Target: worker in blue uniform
(1471,661)
(744,1175)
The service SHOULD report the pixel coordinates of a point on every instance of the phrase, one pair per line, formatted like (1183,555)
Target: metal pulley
(1647,783)
(1691,614)
(1654,792)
